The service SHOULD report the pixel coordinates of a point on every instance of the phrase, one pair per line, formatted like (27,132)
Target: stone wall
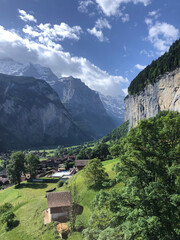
(162,95)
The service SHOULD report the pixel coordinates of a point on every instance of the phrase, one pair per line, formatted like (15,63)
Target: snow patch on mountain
(11,67)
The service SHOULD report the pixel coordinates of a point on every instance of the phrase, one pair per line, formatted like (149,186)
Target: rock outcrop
(85,106)
(31,115)
(164,94)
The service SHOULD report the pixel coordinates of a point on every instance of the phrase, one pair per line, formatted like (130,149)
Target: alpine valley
(79,159)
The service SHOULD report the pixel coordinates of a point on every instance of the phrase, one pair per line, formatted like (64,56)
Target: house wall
(59,213)
(49,212)
(79,168)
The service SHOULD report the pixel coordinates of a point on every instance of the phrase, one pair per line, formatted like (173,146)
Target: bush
(8,219)
(60,183)
(5,207)
(7,216)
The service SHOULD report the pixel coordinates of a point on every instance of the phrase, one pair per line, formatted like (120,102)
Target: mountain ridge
(32,115)
(84,105)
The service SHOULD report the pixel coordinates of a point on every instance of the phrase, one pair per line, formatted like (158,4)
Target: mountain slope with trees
(166,63)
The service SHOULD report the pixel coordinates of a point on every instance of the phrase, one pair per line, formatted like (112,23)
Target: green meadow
(29,202)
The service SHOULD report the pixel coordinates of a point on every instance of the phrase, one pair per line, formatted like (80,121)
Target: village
(51,169)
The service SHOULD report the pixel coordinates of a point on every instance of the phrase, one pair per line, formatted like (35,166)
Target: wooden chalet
(59,206)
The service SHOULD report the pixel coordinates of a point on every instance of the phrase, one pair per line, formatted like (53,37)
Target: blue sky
(106,43)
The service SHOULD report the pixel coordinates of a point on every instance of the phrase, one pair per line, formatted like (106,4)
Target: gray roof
(81,163)
(4,180)
(3,172)
(58,199)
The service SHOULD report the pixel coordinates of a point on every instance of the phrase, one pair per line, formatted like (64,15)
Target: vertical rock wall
(163,95)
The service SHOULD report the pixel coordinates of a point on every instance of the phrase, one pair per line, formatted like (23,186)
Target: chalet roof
(58,199)
(81,163)
(4,180)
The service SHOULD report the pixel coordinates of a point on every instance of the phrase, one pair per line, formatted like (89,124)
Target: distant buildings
(80,164)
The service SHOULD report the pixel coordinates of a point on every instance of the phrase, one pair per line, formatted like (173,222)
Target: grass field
(29,202)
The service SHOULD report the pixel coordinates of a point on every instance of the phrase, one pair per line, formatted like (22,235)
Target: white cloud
(125,90)
(111,8)
(26,17)
(55,32)
(147,53)
(139,66)
(154,14)
(65,31)
(125,18)
(62,63)
(97,33)
(162,35)
(97,29)
(102,23)
(84,4)
(30,31)
(148,21)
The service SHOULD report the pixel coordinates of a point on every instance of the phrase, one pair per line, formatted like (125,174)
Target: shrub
(60,183)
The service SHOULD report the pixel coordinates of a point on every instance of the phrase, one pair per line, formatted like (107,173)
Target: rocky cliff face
(114,107)
(163,95)
(84,105)
(31,114)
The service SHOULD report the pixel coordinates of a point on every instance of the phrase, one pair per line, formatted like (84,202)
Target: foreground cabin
(59,207)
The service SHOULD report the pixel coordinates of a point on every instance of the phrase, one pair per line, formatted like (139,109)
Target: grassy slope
(86,195)
(29,202)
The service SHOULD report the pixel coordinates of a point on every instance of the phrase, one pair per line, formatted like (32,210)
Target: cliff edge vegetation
(169,61)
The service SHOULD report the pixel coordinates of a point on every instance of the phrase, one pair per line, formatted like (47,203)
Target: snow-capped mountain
(114,107)
(11,67)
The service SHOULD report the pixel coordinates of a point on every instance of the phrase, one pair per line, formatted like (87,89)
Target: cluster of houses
(50,168)
(53,167)
(4,181)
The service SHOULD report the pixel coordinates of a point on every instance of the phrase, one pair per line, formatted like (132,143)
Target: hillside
(166,63)
(32,115)
(117,133)
(29,202)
